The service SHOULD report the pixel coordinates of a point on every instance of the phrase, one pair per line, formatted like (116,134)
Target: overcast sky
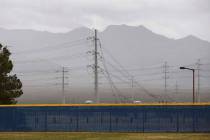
(173,18)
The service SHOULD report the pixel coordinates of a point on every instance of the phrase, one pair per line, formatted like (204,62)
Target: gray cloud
(172,18)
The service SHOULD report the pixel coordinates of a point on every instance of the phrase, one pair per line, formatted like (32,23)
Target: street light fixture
(193,70)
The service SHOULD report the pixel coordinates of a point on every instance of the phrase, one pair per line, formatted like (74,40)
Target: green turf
(103,136)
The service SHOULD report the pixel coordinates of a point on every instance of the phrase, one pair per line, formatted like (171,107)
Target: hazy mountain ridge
(133,47)
(8,33)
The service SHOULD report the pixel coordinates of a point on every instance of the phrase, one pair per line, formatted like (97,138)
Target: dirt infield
(101,136)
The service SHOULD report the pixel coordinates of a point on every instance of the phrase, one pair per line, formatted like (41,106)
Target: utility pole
(198,90)
(63,83)
(63,80)
(96,66)
(165,71)
(132,85)
(193,85)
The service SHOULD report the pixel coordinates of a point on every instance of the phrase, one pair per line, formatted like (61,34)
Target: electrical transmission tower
(63,82)
(166,77)
(95,66)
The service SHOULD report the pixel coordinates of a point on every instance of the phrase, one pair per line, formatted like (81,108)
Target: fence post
(177,120)
(110,122)
(77,121)
(143,119)
(193,120)
(45,125)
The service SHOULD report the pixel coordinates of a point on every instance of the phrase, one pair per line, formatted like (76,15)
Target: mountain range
(132,46)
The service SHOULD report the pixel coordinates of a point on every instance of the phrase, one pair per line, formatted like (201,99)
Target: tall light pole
(193,70)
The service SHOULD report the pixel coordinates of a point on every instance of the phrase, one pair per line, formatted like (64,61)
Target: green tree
(10,85)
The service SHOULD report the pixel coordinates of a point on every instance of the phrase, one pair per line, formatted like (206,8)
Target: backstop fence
(106,118)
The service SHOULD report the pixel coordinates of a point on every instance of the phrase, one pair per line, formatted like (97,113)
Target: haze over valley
(137,61)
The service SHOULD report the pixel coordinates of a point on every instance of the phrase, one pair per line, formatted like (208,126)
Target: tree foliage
(10,85)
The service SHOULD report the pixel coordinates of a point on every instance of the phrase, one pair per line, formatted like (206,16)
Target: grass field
(103,136)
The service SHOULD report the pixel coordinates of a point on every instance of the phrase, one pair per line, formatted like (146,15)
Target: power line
(40,79)
(128,75)
(112,84)
(54,47)
(76,55)
(148,74)
(146,68)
